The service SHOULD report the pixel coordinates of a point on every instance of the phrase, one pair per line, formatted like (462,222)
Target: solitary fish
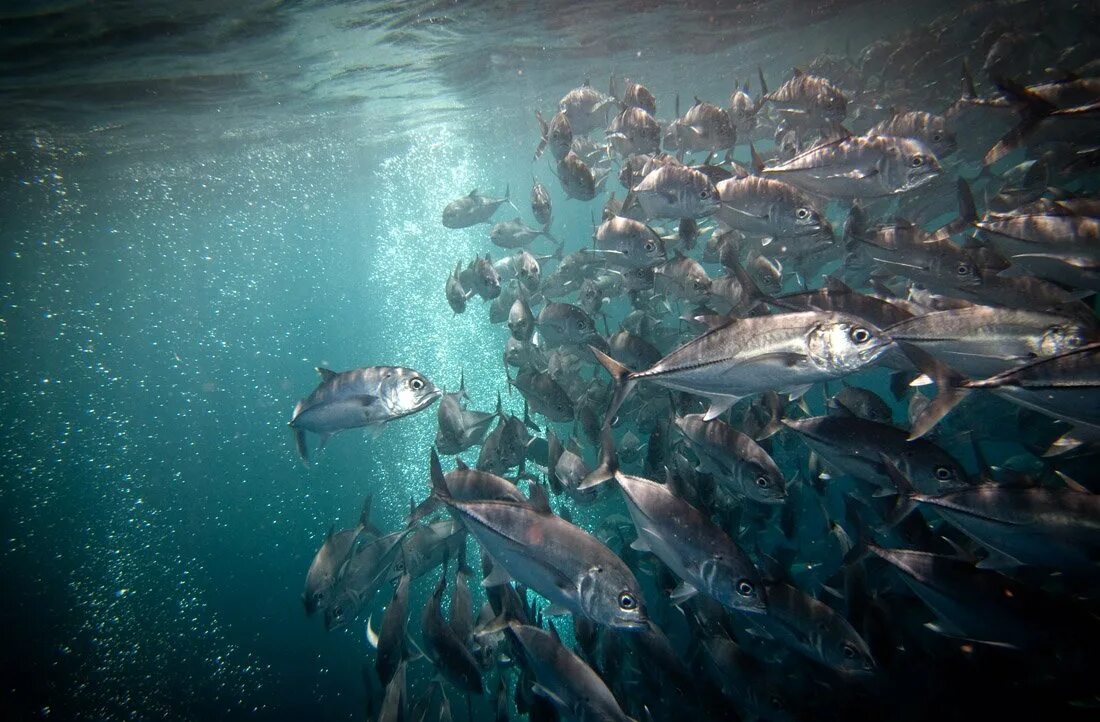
(368,397)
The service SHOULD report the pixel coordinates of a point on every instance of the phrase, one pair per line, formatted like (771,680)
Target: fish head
(339,612)
(610,595)
(917,164)
(702,196)
(405,392)
(932,471)
(846,652)
(764,485)
(941,140)
(734,582)
(845,344)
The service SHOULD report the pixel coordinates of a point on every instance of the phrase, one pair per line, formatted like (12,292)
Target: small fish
(676,192)
(541,207)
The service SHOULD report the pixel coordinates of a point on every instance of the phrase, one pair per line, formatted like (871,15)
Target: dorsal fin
(473,193)
(757,161)
(797,72)
(461,465)
(540,502)
(326,374)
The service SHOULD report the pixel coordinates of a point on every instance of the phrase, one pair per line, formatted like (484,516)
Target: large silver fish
(564,678)
(860,167)
(562,562)
(783,352)
(361,397)
(697,551)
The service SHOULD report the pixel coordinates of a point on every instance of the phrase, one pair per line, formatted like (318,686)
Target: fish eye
(850,652)
(859,335)
(627,601)
(943,473)
(705,193)
(745,588)
(400,566)
(650,246)
(937,137)
(762,481)
(962,269)
(802,214)
(416,384)
(916,161)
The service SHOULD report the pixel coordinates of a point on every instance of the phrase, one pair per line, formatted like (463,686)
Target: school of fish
(751,477)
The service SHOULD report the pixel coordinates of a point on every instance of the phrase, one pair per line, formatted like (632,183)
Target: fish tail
(439,484)
(1033,109)
(950,388)
(906,494)
(608,466)
(624,384)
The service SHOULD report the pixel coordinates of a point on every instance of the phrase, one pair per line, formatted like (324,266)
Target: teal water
(197,207)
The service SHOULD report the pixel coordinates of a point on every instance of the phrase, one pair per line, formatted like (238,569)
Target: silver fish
(782,352)
(361,397)
(472,209)
(860,167)
(563,563)
(694,548)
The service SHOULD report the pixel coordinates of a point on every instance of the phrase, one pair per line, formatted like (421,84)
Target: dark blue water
(199,206)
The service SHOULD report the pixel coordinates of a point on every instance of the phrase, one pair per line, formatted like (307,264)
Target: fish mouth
(632,625)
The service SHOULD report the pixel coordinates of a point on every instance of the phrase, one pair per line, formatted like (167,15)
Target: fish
(572,569)
(629,243)
(855,446)
(860,167)
(330,561)
(541,207)
(703,556)
(576,177)
(563,678)
(545,395)
(1043,527)
(362,576)
(456,294)
(929,128)
(742,357)
(515,234)
(770,208)
(459,427)
(391,636)
(981,341)
(811,97)
(1063,386)
(737,461)
(703,128)
(584,107)
(364,397)
(565,324)
(446,650)
(675,191)
(557,134)
(634,131)
(472,209)
(521,321)
(813,629)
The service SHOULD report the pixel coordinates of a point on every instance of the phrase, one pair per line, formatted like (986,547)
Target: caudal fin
(623,382)
(608,464)
(949,388)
